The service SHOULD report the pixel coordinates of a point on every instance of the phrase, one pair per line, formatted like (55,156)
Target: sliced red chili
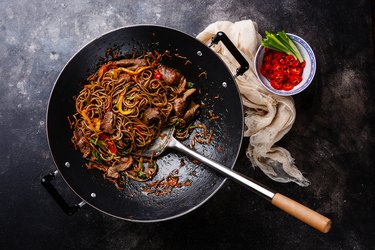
(266,69)
(291,61)
(287,86)
(277,75)
(278,55)
(277,84)
(285,68)
(109,142)
(157,75)
(139,128)
(295,70)
(282,70)
(112,65)
(276,66)
(295,79)
(267,57)
(102,70)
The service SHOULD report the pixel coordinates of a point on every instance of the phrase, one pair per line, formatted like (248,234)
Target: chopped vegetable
(190,85)
(87,120)
(157,75)
(110,144)
(119,106)
(132,72)
(102,70)
(281,42)
(282,70)
(287,86)
(142,175)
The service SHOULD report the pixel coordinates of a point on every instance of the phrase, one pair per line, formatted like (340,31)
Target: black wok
(221,97)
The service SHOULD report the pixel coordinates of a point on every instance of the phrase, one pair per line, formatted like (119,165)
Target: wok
(220,96)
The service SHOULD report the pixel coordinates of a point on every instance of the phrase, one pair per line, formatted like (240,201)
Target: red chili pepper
(295,70)
(276,65)
(102,70)
(295,79)
(277,75)
(112,65)
(157,75)
(266,69)
(267,57)
(277,84)
(278,55)
(287,86)
(291,61)
(285,68)
(110,144)
(138,128)
(282,69)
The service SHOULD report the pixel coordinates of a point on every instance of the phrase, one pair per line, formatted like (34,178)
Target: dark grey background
(332,139)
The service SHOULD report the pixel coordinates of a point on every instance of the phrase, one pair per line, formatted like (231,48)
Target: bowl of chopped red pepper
(285,63)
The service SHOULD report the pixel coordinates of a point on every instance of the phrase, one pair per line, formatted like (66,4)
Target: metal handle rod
(295,209)
(238,177)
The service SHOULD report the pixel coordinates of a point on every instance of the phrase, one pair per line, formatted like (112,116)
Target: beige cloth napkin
(268,117)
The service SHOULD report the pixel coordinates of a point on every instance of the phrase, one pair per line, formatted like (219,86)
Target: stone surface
(332,139)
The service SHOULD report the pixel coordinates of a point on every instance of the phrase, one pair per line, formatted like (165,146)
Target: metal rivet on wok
(199,53)
(93,195)
(224,84)
(67,164)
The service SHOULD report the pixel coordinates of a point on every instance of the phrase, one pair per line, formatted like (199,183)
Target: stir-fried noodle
(122,109)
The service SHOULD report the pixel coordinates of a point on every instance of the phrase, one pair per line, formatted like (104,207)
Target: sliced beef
(135,63)
(107,123)
(81,142)
(169,75)
(192,112)
(181,103)
(151,116)
(180,106)
(125,163)
(181,86)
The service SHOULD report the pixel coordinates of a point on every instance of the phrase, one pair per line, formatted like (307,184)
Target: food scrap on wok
(122,108)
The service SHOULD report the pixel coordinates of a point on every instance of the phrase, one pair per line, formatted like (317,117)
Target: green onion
(142,175)
(190,85)
(93,142)
(281,42)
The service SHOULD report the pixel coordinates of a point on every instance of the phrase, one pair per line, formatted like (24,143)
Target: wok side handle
(244,65)
(304,214)
(47,184)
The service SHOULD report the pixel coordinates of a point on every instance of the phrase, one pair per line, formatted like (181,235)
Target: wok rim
(131,219)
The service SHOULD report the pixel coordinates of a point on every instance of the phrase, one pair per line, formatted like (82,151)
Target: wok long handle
(295,209)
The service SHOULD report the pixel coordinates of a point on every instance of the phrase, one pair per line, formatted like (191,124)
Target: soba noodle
(123,108)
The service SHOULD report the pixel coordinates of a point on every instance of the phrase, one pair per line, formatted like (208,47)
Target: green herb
(190,85)
(93,142)
(96,155)
(142,175)
(281,42)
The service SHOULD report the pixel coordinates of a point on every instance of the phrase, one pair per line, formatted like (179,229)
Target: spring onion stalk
(281,42)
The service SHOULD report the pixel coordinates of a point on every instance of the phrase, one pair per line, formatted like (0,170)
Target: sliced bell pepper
(109,142)
(132,72)
(119,106)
